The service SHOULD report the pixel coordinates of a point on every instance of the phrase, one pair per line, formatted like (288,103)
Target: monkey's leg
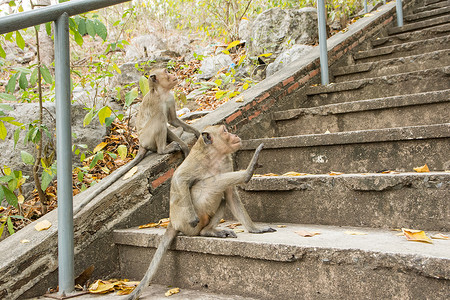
(172,137)
(211,229)
(239,212)
(166,240)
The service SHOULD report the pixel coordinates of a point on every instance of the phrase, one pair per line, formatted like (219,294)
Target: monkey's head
(162,78)
(220,139)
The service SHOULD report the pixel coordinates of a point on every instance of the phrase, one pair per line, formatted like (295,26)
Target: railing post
(399,8)
(365,7)
(321,14)
(64,157)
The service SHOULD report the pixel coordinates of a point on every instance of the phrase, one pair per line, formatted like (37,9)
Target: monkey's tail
(111,179)
(163,246)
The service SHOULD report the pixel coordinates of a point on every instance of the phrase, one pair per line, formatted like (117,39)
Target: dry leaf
(327,132)
(172,292)
(305,233)
(130,173)
(24,241)
(294,174)
(416,236)
(20,199)
(101,287)
(222,221)
(390,172)
(440,236)
(422,169)
(238,230)
(100,146)
(234,225)
(332,173)
(265,175)
(355,233)
(43,225)
(240,99)
(281,226)
(161,223)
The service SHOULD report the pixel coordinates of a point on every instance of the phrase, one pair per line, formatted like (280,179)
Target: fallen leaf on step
(422,169)
(240,99)
(130,173)
(332,173)
(294,174)
(281,226)
(172,292)
(101,287)
(238,230)
(234,225)
(84,276)
(126,287)
(416,236)
(355,233)
(440,236)
(265,175)
(24,241)
(390,172)
(43,225)
(327,132)
(161,223)
(305,233)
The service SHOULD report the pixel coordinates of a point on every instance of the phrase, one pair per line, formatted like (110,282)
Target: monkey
(201,187)
(156,110)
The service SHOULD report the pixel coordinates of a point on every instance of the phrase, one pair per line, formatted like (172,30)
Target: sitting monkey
(201,187)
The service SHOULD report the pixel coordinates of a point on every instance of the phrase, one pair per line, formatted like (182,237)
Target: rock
(245,30)
(211,65)
(144,45)
(287,57)
(277,29)
(179,44)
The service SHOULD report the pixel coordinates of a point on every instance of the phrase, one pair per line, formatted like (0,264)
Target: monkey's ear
(152,77)
(207,138)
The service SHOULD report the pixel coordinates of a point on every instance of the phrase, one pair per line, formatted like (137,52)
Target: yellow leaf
(233,44)
(122,151)
(305,233)
(416,236)
(233,225)
(281,226)
(422,169)
(125,291)
(332,173)
(130,173)
(20,198)
(294,174)
(100,146)
(172,292)
(24,241)
(265,55)
(440,236)
(355,233)
(238,230)
(101,287)
(43,225)
(241,59)
(265,175)
(161,223)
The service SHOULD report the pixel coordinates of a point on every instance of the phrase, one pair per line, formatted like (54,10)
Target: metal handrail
(60,13)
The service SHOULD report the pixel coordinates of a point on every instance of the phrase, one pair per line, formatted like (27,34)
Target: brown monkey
(156,110)
(197,193)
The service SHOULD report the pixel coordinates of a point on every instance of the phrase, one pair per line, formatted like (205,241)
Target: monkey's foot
(223,233)
(262,230)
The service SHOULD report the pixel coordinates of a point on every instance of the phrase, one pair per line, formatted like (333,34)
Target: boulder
(287,57)
(143,46)
(213,64)
(278,29)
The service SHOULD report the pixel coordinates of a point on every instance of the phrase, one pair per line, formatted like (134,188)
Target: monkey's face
(164,79)
(223,141)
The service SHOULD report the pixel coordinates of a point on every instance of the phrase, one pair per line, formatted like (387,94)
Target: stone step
(425,15)
(285,265)
(400,149)
(157,292)
(384,86)
(423,34)
(432,6)
(399,65)
(392,200)
(419,25)
(398,111)
(404,49)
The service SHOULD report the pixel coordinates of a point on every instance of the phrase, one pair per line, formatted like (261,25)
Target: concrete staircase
(386,112)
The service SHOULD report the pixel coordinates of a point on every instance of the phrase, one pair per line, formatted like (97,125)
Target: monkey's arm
(174,121)
(166,240)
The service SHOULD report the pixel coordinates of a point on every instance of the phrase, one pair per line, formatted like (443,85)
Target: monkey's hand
(253,163)
(262,230)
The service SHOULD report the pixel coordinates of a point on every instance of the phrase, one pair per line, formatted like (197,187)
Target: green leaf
(117,69)
(48,28)
(100,29)
(7,97)
(3,225)
(88,118)
(82,26)
(122,151)
(10,226)
(143,85)
(80,176)
(104,113)
(5,106)
(2,130)
(109,120)
(46,74)
(78,38)
(23,81)
(130,96)
(2,52)
(90,28)
(97,157)
(16,136)
(46,180)
(11,86)
(27,157)
(11,198)
(19,40)
(34,76)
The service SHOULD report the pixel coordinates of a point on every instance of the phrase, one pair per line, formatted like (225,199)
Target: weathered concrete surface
(427,14)
(432,6)
(411,200)
(406,64)
(399,149)
(284,265)
(389,112)
(389,85)
(419,25)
